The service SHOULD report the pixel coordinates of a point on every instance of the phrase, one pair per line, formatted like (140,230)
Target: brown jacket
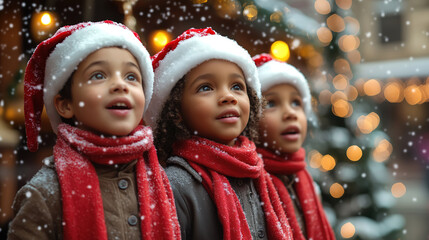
(38,208)
(197,212)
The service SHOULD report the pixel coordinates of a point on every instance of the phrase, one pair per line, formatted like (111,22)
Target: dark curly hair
(170,126)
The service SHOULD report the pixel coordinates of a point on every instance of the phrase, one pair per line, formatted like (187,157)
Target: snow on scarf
(215,162)
(316,223)
(83,214)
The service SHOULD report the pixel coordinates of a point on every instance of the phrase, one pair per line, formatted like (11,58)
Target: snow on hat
(186,52)
(273,72)
(56,58)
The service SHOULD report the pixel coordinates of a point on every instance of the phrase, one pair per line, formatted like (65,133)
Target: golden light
(412,94)
(315,159)
(280,51)
(340,82)
(159,39)
(325,97)
(344,4)
(342,108)
(324,35)
(336,190)
(382,151)
(354,56)
(43,24)
(341,65)
(228,9)
(328,162)
(322,6)
(46,18)
(199,1)
(336,23)
(348,230)
(316,60)
(393,92)
(367,124)
(372,87)
(338,95)
(351,93)
(353,25)
(250,12)
(276,17)
(354,153)
(348,43)
(398,190)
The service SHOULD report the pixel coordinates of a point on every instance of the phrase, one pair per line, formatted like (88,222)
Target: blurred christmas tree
(347,152)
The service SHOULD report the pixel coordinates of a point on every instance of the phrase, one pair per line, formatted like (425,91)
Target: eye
(131,77)
(237,87)
(97,76)
(296,103)
(270,104)
(204,88)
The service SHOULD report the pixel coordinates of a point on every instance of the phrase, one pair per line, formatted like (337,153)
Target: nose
(227,97)
(289,113)
(118,85)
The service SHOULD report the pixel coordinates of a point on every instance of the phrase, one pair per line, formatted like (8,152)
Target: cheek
(268,124)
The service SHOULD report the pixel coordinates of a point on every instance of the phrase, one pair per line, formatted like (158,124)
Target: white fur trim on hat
(189,54)
(273,73)
(67,55)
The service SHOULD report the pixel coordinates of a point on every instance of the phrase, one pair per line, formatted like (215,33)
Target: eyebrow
(105,63)
(132,65)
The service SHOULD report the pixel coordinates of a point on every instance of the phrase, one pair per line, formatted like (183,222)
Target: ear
(63,106)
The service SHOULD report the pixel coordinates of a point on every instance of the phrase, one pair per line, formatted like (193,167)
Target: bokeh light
(336,190)
(46,18)
(324,35)
(315,159)
(348,230)
(393,92)
(372,87)
(354,153)
(413,95)
(382,151)
(348,43)
(342,108)
(340,82)
(336,23)
(280,51)
(328,162)
(250,12)
(344,4)
(159,39)
(398,189)
(322,6)
(352,93)
(367,124)
(276,17)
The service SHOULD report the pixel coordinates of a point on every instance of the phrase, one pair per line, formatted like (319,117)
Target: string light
(280,51)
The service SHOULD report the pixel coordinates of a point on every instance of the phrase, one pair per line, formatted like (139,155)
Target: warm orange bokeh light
(328,162)
(354,153)
(336,23)
(372,87)
(344,4)
(413,95)
(250,12)
(398,190)
(336,190)
(322,6)
(315,159)
(382,151)
(393,92)
(340,82)
(342,108)
(367,124)
(324,35)
(348,43)
(348,230)
(352,93)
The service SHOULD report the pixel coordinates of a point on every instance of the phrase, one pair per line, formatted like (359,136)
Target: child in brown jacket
(282,131)
(104,180)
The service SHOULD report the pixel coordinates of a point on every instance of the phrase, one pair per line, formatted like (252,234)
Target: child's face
(107,93)
(215,102)
(284,123)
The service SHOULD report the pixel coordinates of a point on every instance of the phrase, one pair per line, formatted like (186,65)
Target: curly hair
(170,126)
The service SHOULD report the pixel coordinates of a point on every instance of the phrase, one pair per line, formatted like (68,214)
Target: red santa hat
(186,52)
(273,72)
(56,58)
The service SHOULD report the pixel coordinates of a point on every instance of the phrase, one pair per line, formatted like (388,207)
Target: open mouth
(291,133)
(229,116)
(119,106)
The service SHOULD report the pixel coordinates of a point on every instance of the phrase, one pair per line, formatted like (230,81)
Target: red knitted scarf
(215,162)
(316,223)
(83,214)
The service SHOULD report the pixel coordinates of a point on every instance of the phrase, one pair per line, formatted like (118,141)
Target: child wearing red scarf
(104,180)
(282,130)
(205,111)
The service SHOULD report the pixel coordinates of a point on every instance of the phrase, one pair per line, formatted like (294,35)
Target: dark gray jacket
(197,212)
(38,207)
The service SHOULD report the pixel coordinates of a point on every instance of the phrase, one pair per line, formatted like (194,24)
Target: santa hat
(56,58)
(186,52)
(273,72)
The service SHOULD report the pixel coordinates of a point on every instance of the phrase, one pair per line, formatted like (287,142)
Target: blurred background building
(367,63)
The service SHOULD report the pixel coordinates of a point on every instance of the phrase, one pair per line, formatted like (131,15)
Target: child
(205,110)
(104,180)
(283,128)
